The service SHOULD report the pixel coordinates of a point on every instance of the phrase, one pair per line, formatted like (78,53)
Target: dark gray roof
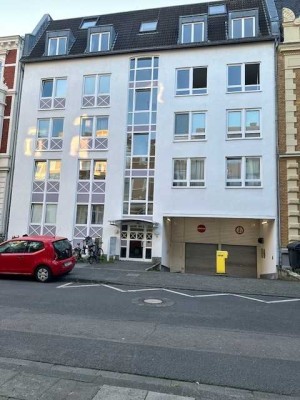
(293,5)
(129,39)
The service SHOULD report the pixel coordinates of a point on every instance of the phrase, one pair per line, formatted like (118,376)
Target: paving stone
(120,393)
(67,389)
(5,375)
(162,396)
(26,386)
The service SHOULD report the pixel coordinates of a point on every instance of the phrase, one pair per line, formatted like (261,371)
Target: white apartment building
(155,134)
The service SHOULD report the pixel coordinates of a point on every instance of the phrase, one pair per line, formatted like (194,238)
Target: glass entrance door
(136,242)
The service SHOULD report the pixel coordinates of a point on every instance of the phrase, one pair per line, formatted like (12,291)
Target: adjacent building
(155,131)
(10,84)
(289,125)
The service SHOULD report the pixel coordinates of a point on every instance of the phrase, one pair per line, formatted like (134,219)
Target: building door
(136,242)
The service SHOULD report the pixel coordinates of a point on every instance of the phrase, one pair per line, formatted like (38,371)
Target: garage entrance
(200,258)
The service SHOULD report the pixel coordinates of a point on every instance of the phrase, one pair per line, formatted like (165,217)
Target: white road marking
(70,285)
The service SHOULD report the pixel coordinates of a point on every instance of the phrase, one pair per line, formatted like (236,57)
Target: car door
(12,257)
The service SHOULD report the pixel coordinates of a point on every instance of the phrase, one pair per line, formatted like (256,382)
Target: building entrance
(136,242)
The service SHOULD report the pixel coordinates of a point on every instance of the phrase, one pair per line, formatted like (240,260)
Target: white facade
(214,204)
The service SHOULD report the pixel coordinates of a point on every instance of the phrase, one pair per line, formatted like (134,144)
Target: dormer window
(88,23)
(58,42)
(193,29)
(100,38)
(148,26)
(243,24)
(57,46)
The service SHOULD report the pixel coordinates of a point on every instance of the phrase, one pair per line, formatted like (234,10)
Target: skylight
(148,26)
(217,9)
(88,23)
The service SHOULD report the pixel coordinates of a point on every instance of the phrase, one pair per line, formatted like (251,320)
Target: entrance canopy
(134,221)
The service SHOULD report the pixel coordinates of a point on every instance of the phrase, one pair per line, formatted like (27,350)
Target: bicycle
(95,254)
(78,252)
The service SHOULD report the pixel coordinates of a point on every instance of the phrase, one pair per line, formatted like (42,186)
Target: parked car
(40,256)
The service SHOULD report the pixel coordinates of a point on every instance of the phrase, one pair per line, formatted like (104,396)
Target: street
(244,342)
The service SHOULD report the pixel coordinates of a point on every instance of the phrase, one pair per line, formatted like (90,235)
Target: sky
(18,17)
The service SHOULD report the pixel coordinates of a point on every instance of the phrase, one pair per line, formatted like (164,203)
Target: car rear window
(35,246)
(63,249)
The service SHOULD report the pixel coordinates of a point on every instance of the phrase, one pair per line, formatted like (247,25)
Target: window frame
(190,135)
(99,34)
(243,87)
(193,19)
(191,91)
(243,182)
(58,39)
(53,101)
(243,15)
(144,23)
(192,39)
(243,133)
(97,94)
(46,141)
(188,181)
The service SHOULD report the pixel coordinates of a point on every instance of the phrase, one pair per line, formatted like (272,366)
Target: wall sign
(239,230)
(201,228)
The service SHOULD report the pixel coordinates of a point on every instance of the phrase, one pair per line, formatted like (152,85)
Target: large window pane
(198,32)
(52,44)
(182,124)
(81,214)
(237,31)
(234,121)
(84,169)
(43,128)
(87,127)
(140,144)
(94,42)
(47,88)
(104,84)
(105,41)
(197,172)
(234,75)
(99,170)
(198,123)
(252,168)
(50,215)
(138,188)
(40,170)
(249,27)
(89,85)
(54,169)
(252,74)
(142,99)
(62,46)
(36,213)
(61,85)
(101,126)
(252,120)
(137,208)
(143,75)
(234,168)
(97,214)
(186,33)
(144,62)
(180,169)
(199,80)
(183,76)
(58,127)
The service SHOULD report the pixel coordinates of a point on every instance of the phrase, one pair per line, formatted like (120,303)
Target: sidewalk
(29,380)
(134,274)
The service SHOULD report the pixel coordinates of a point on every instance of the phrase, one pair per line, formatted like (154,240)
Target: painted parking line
(70,285)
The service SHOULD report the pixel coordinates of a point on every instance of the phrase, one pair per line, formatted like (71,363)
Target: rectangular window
(97,214)
(96,91)
(188,172)
(57,46)
(242,27)
(191,81)
(99,41)
(50,214)
(94,133)
(243,172)
(149,26)
(190,126)
(243,124)
(243,77)
(49,134)
(53,93)
(54,170)
(193,32)
(95,167)
(81,214)
(142,99)
(36,213)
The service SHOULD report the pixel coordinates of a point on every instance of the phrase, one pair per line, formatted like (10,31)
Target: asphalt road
(218,340)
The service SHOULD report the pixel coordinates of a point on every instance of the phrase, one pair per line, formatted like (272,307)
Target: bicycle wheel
(91,259)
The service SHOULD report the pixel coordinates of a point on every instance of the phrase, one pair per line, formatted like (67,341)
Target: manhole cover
(163,302)
(153,301)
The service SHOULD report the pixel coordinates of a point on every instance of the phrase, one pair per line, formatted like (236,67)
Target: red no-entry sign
(201,228)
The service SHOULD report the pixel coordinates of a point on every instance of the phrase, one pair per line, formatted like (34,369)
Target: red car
(40,256)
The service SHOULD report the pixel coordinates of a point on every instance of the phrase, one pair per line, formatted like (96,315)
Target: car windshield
(63,249)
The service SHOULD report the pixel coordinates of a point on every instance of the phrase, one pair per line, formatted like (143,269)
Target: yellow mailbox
(220,262)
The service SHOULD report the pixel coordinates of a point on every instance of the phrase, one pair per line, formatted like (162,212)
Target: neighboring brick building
(288,130)
(10,52)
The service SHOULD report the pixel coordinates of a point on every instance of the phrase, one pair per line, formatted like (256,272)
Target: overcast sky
(18,17)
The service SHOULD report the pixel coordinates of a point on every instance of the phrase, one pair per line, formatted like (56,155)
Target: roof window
(88,23)
(217,9)
(148,26)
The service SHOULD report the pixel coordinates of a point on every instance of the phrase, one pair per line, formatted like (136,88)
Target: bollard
(220,262)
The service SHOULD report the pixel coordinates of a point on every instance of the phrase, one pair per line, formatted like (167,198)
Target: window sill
(243,138)
(189,140)
(108,106)
(191,95)
(243,187)
(245,91)
(188,187)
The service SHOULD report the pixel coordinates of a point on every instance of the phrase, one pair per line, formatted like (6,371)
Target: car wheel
(43,274)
